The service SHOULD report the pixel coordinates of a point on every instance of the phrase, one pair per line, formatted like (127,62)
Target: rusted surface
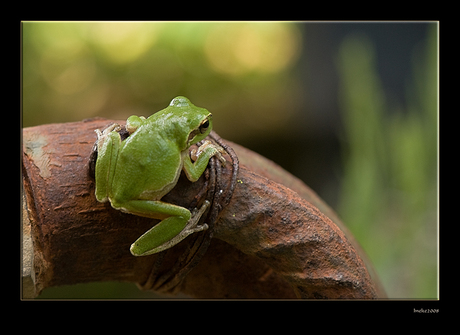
(295,239)
(268,169)
(269,242)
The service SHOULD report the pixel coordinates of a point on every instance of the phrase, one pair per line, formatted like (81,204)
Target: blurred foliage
(77,70)
(389,190)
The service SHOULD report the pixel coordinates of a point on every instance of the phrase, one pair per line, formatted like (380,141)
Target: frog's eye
(204,126)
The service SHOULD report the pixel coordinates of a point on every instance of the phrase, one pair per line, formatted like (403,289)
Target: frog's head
(193,122)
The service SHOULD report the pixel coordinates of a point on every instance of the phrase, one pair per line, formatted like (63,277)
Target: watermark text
(427,310)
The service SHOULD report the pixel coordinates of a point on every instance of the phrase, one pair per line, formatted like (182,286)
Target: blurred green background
(350,108)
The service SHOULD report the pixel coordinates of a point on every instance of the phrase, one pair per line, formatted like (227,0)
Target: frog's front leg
(202,157)
(177,224)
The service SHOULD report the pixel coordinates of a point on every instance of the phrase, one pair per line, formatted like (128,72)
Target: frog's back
(148,167)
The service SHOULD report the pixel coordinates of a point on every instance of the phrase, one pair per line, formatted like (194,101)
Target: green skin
(134,174)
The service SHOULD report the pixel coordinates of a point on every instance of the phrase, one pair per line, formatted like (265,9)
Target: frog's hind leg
(108,147)
(177,224)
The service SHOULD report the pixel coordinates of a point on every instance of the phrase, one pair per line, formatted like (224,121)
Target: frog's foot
(101,136)
(215,149)
(192,225)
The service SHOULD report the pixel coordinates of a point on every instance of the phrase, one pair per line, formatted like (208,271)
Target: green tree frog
(135,173)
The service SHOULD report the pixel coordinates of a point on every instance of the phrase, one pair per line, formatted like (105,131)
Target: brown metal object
(269,242)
